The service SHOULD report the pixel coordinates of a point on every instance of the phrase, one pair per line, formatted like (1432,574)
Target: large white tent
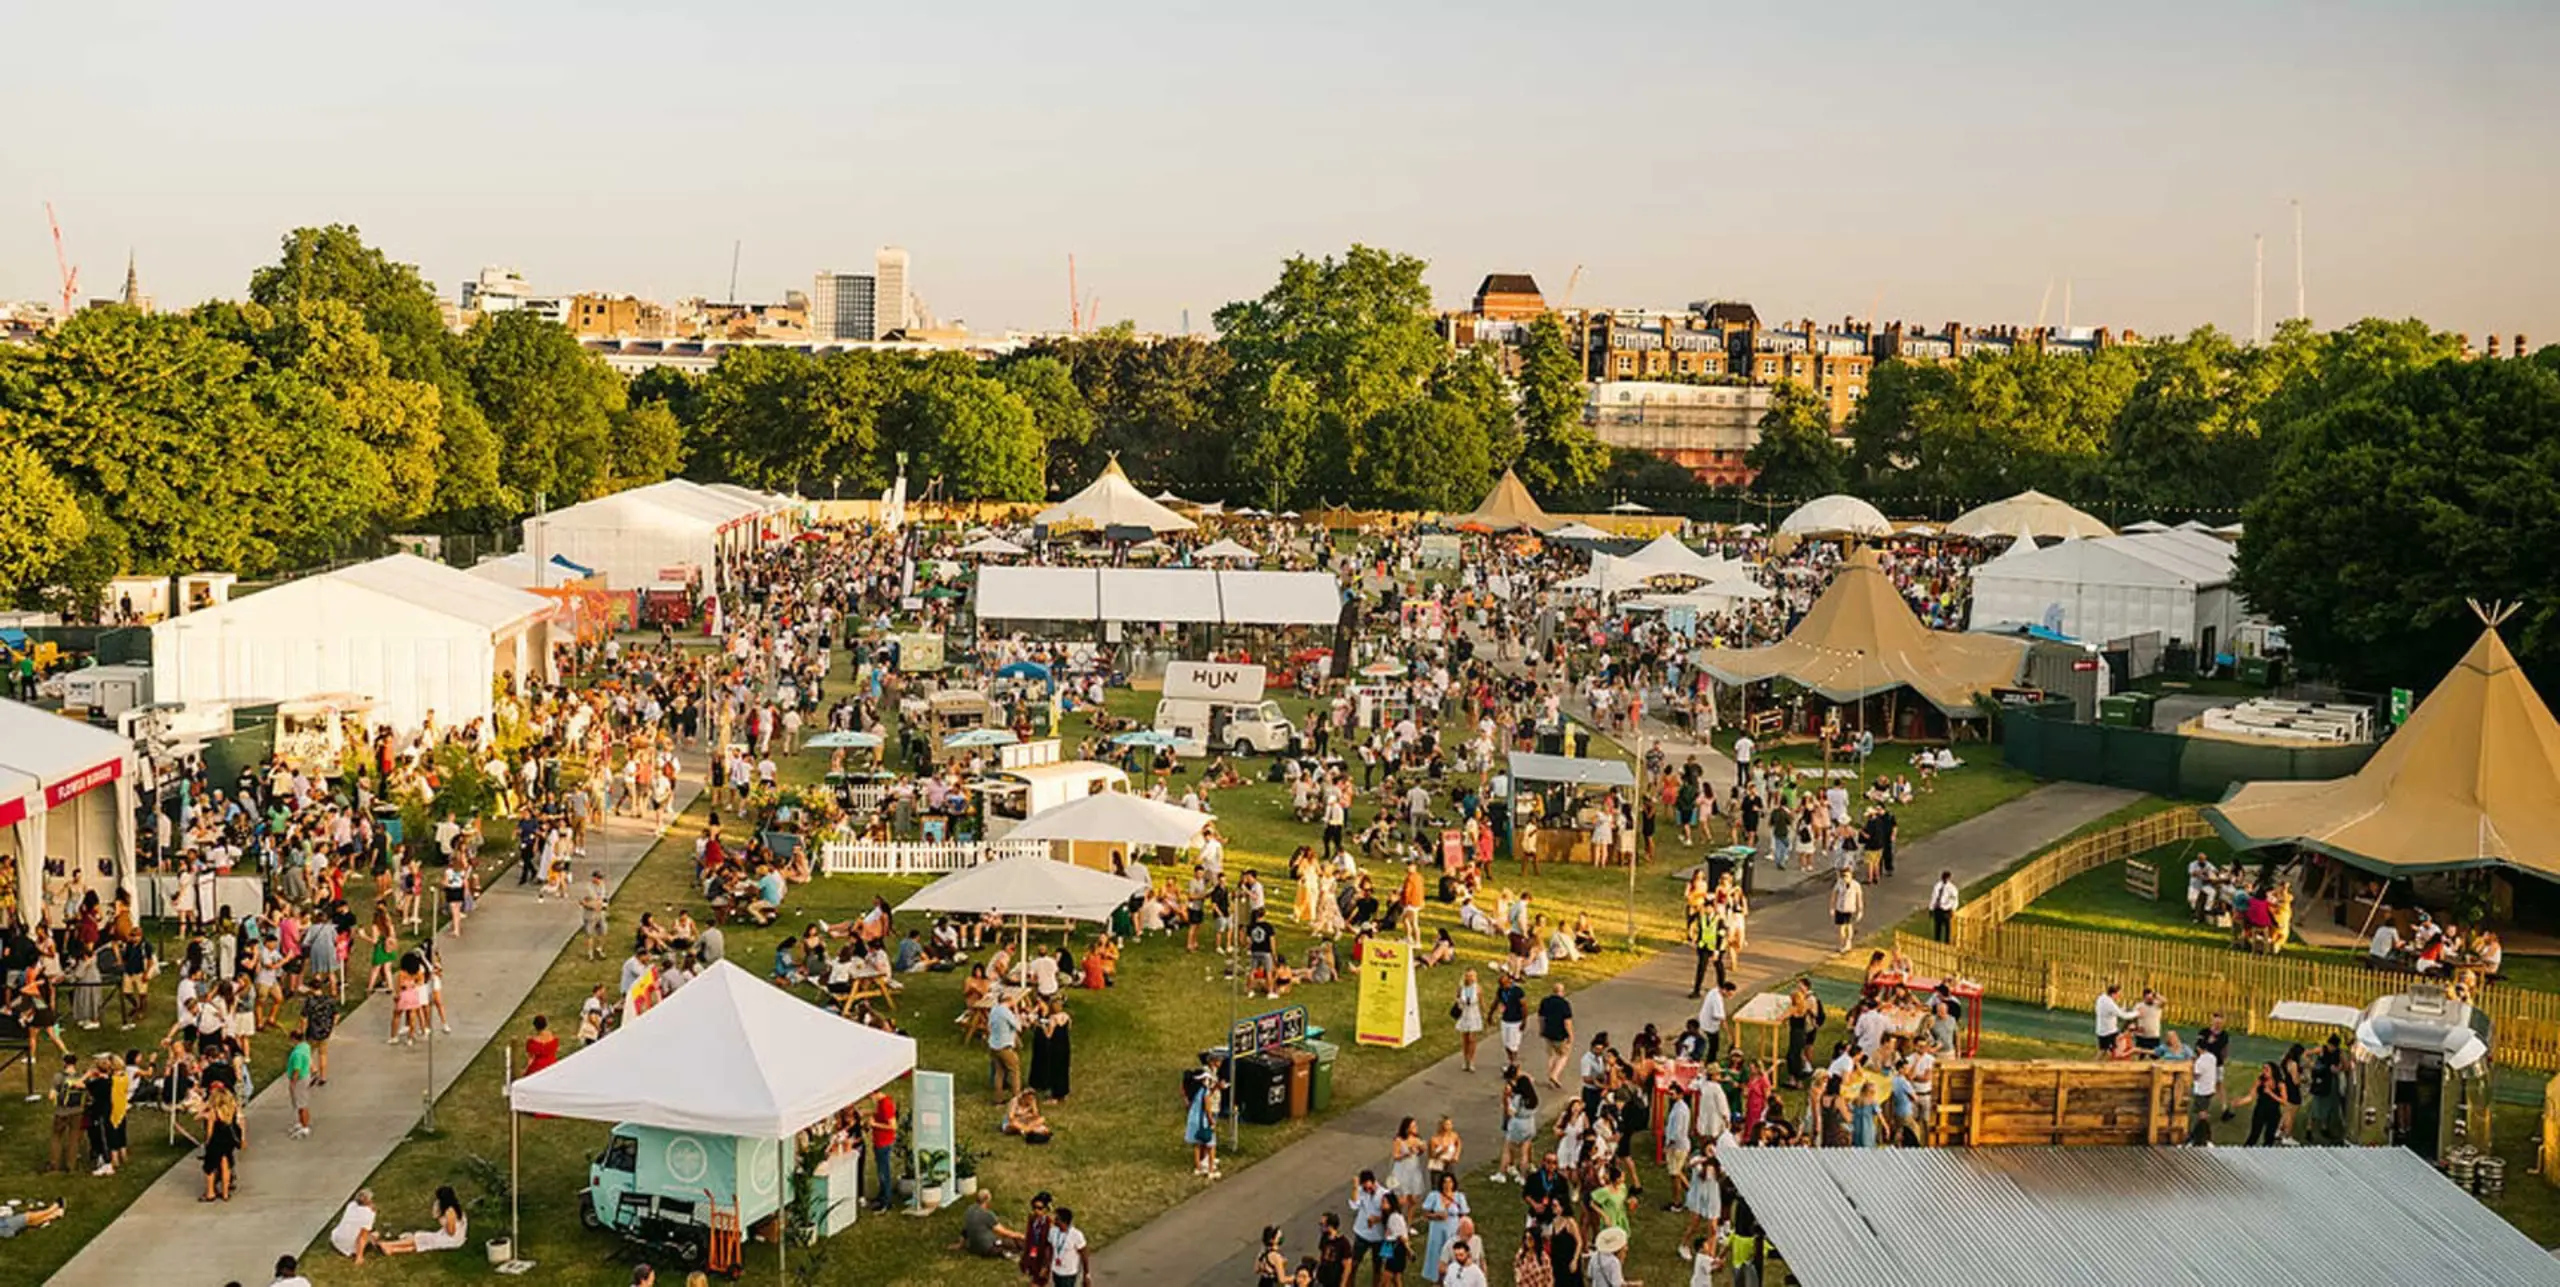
(2176,583)
(646,535)
(1836,515)
(726,1054)
(2030,513)
(1225,549)
(990,546)
(413,635)
(1666,556)
(1111,501)
(66,792)
(1202,595)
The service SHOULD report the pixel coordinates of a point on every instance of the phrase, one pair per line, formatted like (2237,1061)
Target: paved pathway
(1210,1238)
(291,1191)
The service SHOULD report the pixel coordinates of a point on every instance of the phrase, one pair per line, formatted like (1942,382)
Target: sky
(1922,162)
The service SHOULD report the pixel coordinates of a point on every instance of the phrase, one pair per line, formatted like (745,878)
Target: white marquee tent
(1666,556)
(1116,818)
(990,546)
(646,535)
(66,792)
(2177,583)
(1026,886)
(413,635)
(2030,513)
(1232,597)
(1225,549)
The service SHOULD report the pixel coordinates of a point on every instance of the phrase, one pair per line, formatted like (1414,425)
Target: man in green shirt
(297,1081)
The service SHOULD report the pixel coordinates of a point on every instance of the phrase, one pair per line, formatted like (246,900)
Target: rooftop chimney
(2521,350)
(2493,348)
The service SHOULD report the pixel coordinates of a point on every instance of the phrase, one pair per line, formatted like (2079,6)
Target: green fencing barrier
(2044,741)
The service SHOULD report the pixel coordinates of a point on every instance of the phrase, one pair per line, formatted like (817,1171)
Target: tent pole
(781,1214)
(515,1153)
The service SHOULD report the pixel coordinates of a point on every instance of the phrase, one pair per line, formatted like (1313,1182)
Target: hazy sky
(1920,161)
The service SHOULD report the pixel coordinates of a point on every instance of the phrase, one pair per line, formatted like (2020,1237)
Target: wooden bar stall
(2001,1102)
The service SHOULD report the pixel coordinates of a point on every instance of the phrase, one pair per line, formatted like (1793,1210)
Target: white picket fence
(847,857)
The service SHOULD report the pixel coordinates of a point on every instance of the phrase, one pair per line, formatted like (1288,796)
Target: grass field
(1117,1159)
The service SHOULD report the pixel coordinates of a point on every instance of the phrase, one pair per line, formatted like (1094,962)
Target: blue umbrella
(1144,737)
(981,737)
(852,741)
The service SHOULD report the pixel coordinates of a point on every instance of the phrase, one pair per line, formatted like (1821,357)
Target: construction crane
(1581,330)
(1081,316)
(62,263)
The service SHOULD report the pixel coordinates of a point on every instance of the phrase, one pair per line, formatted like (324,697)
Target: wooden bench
(870,987)
(2142,879)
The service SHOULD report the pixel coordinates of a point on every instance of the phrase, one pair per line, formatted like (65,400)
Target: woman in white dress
(1470,1017)
(1405,1164)
(452,1231)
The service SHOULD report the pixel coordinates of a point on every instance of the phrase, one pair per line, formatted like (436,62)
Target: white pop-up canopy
(1116,818)
(66,791)
(1026,886)
(991,547)
(727,1054)
(1666,556)
(1225,549)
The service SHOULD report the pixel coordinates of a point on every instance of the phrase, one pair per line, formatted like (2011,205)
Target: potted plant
(933,1167)
(964,1170)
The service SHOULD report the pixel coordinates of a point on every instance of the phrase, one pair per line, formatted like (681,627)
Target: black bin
(1262,1088)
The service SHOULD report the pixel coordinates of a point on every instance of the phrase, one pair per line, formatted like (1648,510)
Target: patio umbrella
(981,737)
(1630,507)
(849,741)
(1383,668)
(1144,737)
(1118,818)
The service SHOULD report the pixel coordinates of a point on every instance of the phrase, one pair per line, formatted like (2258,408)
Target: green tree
(1047,387)
(774,418)
(400,311)
(646,445)
(1276,438)
(40,522)
(1430,453)
(1355,335)
(205,457)
(2386,511)
(1559,455)
(975,436)
(551,404)
(1796,455)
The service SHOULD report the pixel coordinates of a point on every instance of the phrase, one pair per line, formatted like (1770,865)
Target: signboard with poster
(919,652)
(1219,681)
(1390,1010)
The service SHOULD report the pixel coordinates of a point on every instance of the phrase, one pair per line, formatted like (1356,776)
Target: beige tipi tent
(1509,507)
(2029,513)
(2472,780)
(1861,639)
(1111,501)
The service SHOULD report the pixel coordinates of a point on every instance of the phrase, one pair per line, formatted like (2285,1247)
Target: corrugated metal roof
(2125,1217)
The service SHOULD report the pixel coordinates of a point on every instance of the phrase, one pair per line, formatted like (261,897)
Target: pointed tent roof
(2471,780)
(2029,511)
(1666,556)
(1225,549)
(1508,507)
(726,1054)
(1860,639)
(1111,501)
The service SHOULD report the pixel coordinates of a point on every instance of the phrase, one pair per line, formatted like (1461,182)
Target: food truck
(1218,706)
(1030,778)
(680,1192)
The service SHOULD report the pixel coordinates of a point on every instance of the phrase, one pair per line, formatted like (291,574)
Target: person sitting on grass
(452,1231)
(1443,951)
(1022,1117)
(982,1234)
(14,1221)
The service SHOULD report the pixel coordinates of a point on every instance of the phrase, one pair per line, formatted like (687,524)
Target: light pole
(426,1015)
(1635,852)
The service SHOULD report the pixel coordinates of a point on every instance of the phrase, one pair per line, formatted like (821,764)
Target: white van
(1218,706)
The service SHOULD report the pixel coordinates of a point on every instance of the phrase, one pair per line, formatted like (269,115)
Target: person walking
(1004,1061)
(297,1081)
(1712,1013)
(1944,898)
(1848,903)
(591,911)
(1706,939)
(1468,1010)
(1555,1027)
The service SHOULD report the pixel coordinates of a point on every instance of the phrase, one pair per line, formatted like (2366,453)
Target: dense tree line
(2381,481)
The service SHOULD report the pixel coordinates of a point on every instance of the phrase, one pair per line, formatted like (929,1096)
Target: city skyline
(1977,168)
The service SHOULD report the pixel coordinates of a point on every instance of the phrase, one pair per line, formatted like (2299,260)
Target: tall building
(1706,429)
(616,317)
(843,306)
(889,293)
(504,290)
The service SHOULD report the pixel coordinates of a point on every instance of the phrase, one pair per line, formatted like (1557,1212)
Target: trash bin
(1320,1078)
(1302,1071)
(1262,1087)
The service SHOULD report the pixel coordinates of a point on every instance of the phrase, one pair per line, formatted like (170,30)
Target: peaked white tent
(1579,531)
(1836,515)
(1609,575)
(67,792)
(413,635)
(1111,501)
(726,1054)
(1225,549)
(1666,556)
(1116,817)
(2029,511)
